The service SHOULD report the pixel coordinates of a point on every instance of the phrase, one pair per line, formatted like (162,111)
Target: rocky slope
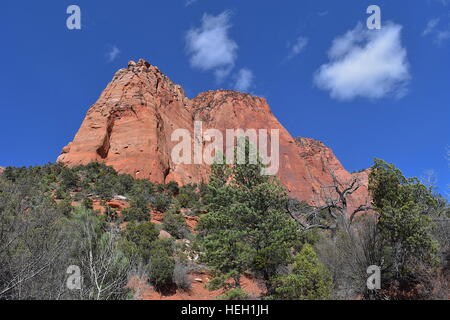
(130,128)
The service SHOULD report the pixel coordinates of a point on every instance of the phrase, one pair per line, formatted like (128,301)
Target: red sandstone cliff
(130,127)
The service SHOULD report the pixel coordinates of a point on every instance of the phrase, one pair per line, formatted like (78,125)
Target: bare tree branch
(335,199)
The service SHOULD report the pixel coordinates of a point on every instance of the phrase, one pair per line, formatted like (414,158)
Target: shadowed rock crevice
(103,150)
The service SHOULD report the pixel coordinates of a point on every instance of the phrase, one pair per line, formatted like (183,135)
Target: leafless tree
(355,243)
(335,206)
(105,269)
(350,253)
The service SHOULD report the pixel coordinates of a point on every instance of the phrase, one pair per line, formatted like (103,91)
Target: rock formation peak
(130,128)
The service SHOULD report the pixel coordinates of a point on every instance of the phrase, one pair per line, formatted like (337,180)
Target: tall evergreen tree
(404,206)
(246,227)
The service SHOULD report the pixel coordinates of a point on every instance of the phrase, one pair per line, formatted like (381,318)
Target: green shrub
(309,280)
(188,196)
(138,210)
(161,264)
(175,224)
(161,201)
(65,207)
(61,194)
(68,179)
(142,188)
(234,294)
(183,200)
(172,187)
(139,239)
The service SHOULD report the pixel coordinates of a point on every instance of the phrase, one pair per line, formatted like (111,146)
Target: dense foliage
(309,279)
(408,212)
(53,218)
(246,227)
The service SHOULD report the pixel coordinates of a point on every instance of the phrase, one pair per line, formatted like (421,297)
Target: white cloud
(112,54)
(299,45)
(366,63)
(244,80)
(431,25)
(210,46)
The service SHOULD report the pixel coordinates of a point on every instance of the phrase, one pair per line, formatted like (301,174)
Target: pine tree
(309,280)
(404,206)
(246,227)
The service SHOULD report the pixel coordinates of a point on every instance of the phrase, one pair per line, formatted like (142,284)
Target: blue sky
(318,69)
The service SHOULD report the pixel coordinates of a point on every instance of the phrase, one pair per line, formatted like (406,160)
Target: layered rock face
(131,125)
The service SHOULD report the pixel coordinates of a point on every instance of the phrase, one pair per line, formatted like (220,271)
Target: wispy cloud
(188,3)
(297,47)
(439,35)
(210,46)
(431,25)
(112,54)
(244,80)
(366,63)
